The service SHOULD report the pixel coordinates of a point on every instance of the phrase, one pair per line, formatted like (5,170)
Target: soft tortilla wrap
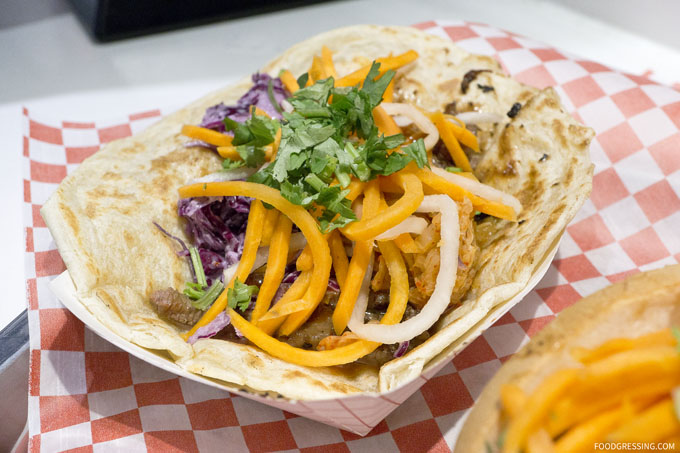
(641,304)
(101,215)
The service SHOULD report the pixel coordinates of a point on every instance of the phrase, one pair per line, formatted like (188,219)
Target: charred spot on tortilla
(543,158)
(485,88)
(514,110)
(469,77)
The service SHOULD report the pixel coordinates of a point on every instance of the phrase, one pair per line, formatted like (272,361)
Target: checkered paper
(86,394)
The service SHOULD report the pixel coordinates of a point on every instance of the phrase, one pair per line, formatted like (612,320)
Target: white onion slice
(402,121)
(226,175)
(479,189)
(423,122)
(297,242)
(411,224)
(479,117)
(287,106)
(446,279)
(357,316)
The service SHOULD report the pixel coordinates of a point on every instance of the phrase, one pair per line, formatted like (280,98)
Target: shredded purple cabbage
(333,285)
(217,226)
(211,329)
(183,252)
(401,350)
(257,96)
(201,144)
(291,277)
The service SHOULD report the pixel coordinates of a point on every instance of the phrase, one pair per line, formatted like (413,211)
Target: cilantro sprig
(250,138)
(240,294)
(331,134)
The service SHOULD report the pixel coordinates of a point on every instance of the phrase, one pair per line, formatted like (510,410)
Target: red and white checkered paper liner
(87,395)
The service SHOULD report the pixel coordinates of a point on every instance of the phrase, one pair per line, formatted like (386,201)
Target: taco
(600,375)
(427,187)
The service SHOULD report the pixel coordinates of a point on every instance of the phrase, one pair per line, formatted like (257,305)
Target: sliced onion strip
(446,279)
(411,224)
(418,118)
(236,174)
(479,189)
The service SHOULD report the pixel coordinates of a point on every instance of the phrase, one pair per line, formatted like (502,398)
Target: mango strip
(513,399)
(398,282)
(661,338)
(269,323)
(386,64)
(304,261)
(652,425)
(245,265)
(437,184)
(271,218)
(207,135)
(463,134)
(368,228)
(537,407)
(445,129)
(284,351)
(385,122)
(358,265)
(327,62)
(276,266)
(540,442)
(388,95)
(297,214)
(289,81)
(406,244)
(339,256)
(316,71)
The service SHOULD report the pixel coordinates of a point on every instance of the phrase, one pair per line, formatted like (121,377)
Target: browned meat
(175,306)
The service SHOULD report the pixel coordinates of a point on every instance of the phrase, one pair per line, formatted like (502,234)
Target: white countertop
(52,66)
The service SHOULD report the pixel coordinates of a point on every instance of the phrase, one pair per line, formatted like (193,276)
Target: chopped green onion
(315,182)
(272,99)
(454,169)
(198,266)
(209,297)
(194,290)
(240,294)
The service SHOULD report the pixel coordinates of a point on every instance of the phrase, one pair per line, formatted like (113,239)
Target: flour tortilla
(641,304)
(101,215)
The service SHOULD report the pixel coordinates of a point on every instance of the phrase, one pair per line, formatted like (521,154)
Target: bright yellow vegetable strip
(445,129)
(297,214)
(385,122)
(271,218)
(463,134)
(356,188)
(538,406)
(388,96)
(276,266)
(584,436)
(339,256)
(569,411)
(245,265)
(406,243)
(386,63)
(289,81)
(398,282)
(634,367)
(616,345)
(282,309)
(358,264)
(457,193)
(540,442)
(228,152)
(316,71)
(652,425)
(284,351)
(206,135)
(277,142)
(327,61)
(295,292)
(367,229)
(513,399)
(304,261)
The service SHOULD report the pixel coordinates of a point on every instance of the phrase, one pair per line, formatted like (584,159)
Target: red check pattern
(86,394)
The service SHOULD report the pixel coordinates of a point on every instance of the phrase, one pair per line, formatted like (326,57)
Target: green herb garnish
(454,169)
(198,266)
(209,296)
(251,137)
(239,296)
(331,134)
(272,98)
(194,290)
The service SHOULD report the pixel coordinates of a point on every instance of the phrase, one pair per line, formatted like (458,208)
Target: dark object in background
(109,20)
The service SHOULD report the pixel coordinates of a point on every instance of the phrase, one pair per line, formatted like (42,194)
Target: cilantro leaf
(229,164)
(250,138)
(417,152)
(240,294)
(302,80)
(375,87)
